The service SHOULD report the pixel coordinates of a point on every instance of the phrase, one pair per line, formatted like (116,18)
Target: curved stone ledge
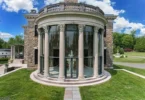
(73,82)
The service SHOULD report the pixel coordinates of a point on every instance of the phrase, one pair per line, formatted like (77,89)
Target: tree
(127,41)
(140,44)
(1,43)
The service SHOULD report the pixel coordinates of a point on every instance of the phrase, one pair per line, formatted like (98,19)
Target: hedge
(4,59)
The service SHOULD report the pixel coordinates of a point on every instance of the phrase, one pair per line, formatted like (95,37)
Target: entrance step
(55,82)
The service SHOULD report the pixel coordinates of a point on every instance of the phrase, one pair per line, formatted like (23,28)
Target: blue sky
(131,14)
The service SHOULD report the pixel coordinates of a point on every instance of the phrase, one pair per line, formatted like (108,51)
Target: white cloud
(123,24)
(16,5)
(4,35)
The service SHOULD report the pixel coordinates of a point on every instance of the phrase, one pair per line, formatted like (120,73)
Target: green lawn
(141,54)
(3,62)
(19,86)
(130,60)
(122,86)
(136,70)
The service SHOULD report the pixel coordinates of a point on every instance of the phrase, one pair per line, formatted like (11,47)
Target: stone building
(69,40)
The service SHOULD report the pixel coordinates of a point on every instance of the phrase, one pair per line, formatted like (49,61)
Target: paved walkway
(72,93)
(134,65)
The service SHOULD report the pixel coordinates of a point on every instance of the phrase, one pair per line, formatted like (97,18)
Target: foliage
(127,41)
(17,40)
(124,40)
(118,49)
(140,44)
(4,59)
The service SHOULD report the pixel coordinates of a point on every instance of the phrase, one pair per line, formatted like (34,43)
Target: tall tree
(140,44)
(127,41)
(1,43)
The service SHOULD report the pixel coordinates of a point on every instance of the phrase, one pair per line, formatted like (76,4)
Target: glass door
(71,68)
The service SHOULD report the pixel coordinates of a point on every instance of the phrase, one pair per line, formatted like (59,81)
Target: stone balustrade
(78,7)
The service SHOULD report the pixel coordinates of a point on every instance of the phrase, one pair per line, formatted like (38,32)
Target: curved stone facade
(70,42)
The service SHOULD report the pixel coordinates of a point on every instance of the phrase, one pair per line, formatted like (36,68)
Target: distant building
(4,53)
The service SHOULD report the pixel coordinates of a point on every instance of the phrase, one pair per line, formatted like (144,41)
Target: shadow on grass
(117,67)
(112,72)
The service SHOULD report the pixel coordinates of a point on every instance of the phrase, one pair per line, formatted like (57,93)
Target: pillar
(46,53)
(14,53)
(81,52)
(95,52)
(39,50)
(61,53)
(11,52)
(102,50)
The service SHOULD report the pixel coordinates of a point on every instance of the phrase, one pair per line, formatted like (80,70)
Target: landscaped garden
(19,86)
(122,86)
(130,60)
(132,57)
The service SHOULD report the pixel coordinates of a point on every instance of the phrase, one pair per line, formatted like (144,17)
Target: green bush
(121,51)
(4,59)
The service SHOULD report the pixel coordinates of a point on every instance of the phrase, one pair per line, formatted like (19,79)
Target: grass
(136,70)
(122,86)
(130,60)
(141,54)
(19,86)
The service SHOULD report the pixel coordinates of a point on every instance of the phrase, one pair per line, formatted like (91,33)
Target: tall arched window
(54,50)
(88,51)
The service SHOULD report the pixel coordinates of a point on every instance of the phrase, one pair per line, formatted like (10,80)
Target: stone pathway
(134,65)
(72,93)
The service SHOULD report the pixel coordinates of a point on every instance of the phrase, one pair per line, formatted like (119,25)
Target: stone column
(39,50)
(46,53)
(95,52)
(14,52)
(102,51)
(11,52)
(61,53)
(81,52)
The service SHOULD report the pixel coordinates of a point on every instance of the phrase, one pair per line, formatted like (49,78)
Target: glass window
(71,51)
(100,53)
(54,51)
(88,51)
(71,41)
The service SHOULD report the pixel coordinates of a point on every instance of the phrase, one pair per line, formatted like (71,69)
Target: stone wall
(109,44)
(30,43)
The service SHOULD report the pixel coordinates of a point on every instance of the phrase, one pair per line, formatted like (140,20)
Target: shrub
(4,59)
(121,51)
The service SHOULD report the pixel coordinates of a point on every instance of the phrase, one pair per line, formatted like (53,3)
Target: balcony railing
(77,7)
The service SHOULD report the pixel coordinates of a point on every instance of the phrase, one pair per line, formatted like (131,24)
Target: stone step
(86,82)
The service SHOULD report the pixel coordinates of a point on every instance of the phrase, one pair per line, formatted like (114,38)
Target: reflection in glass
(71,51)
(88,51)
(54,51)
